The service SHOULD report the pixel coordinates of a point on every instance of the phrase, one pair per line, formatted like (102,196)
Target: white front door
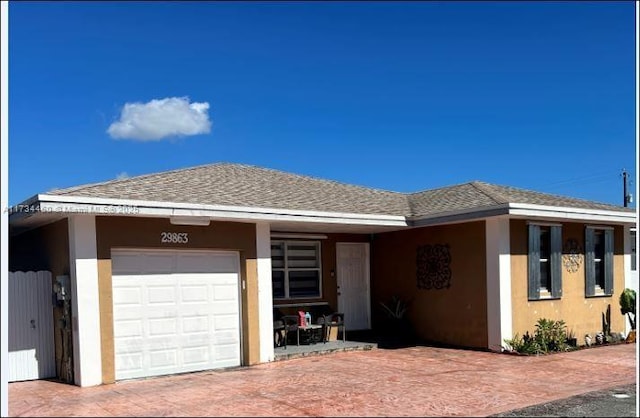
(31,346)
(174,311)
(353,284)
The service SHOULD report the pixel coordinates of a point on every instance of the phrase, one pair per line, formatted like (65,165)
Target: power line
(582,179)
(585,184)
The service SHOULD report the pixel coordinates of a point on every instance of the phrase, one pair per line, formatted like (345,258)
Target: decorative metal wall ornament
(434,266)
(572,255)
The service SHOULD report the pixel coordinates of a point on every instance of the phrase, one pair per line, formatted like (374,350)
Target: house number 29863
(174,237)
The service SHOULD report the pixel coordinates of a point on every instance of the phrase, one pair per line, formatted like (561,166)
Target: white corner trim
(367,251)
(630,276)
(499,306)
(627,254)
(265,292)
(83,265)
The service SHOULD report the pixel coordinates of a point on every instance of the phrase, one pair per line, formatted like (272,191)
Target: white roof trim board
(541,211)
(121,207)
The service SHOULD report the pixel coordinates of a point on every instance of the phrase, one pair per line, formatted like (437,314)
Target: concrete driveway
(417,381)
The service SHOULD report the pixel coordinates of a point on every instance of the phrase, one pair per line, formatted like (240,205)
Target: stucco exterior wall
(127,232)
(583,315)
(457,315)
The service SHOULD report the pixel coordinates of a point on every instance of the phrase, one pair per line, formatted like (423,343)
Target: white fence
(31,343)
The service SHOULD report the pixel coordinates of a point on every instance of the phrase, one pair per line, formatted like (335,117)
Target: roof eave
(526,210)
(74,205)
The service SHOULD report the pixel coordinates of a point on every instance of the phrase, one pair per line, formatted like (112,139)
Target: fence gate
(31,344)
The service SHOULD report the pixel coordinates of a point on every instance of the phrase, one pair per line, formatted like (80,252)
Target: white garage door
(174,311)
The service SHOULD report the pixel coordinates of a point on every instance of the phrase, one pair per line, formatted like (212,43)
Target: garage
(174,311)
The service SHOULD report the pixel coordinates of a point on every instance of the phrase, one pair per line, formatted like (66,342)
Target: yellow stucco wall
(457,315)
(106,321)
(126,232)
(583,315)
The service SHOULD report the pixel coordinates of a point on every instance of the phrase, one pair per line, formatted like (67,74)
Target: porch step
(294,351)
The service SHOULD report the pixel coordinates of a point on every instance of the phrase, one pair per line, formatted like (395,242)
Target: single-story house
(181,270)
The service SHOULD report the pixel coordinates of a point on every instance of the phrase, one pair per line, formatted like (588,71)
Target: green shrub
(628,306)
(523,345)
(514,344)
(530,345)
(549,336)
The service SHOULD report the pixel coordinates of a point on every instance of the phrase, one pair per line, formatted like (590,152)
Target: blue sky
(401,96)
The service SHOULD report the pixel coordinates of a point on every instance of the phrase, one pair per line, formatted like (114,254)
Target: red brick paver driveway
(418,381)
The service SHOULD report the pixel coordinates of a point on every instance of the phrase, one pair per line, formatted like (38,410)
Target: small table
(312,333)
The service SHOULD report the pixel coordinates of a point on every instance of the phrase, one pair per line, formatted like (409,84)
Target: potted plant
(397,327)
(628,307)
(572,341)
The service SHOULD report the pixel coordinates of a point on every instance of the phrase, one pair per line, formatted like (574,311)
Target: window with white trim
(544,260)
(296,269)
(598,261)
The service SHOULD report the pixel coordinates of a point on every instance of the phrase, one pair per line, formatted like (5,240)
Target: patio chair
(290,324)
(336,320)
(279,333)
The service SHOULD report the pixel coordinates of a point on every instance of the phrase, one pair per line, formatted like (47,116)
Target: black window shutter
(608,261)
(589,263)
(556,261)
(534,262)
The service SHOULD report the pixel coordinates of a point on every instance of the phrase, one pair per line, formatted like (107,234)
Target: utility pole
(627,196)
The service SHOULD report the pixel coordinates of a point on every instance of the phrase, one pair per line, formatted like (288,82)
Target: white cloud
(161,118)
(122,176)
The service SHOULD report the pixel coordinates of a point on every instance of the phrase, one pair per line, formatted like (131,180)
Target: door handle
(33,323)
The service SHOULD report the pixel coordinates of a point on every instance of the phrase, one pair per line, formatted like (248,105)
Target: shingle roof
(477,195)
(516,195)
(447,199)
(245,185)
